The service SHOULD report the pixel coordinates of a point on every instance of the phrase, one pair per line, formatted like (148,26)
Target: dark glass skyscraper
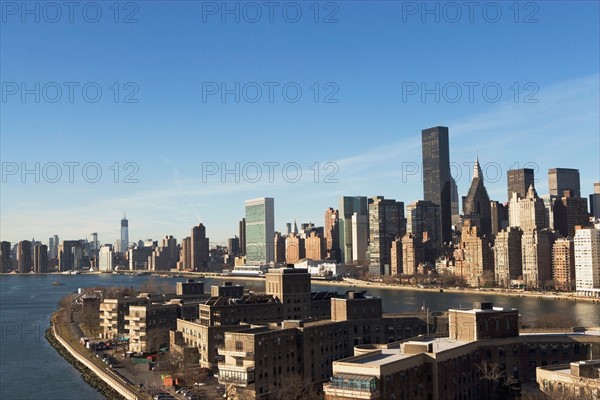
(561,179)
(436,175)
(518,181)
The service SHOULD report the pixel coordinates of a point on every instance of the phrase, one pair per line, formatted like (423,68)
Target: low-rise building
(577,380)
(482,342)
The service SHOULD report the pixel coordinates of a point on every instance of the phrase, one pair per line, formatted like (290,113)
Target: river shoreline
(356,283)
(87,375)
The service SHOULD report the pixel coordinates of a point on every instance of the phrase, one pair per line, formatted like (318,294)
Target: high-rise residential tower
(436,176)
(587,262)
(386,222)
(260,230)
(199,248)
(332,234)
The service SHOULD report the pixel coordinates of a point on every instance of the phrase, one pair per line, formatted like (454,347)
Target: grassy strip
(88,376)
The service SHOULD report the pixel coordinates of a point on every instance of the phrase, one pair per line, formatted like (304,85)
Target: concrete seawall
(117,383)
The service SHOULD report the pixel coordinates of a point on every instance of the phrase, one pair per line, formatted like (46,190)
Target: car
(200,384)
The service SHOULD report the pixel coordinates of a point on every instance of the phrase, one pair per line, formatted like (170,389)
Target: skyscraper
(199,248)
(519,181)
(124,235)
(436,176)
(5,262)
(386,222)
(260,230)
(360,238)
(332,234)
(587,262)
(595,201)
(561,179)
(242,231)
(348,206)
(40,259)
(563,264)
(422,219)
(508,260)
(527,213)
(476,206)
(24,262)
(454,202)
(568,212)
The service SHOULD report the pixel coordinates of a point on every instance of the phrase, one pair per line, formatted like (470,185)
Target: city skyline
(170,133)
(280,224)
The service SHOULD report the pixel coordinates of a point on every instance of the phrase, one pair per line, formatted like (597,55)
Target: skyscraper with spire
(476,205)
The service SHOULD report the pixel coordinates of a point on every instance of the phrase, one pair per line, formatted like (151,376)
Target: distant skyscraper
(279,252)
(436,176)
(474,257)
(508,259)
(422,219)
(185,255)
(294,248)
(94,245)
(477,203)
(499,217)
(67,255)
(386,223)
(199,248)
(260,230)
(24,261)
(5,262)
(413,253)
(454,200)
(519,181)
(315,246)
(360,238)
(332,234)
(105,258)
(587,262)
(233,245)
(536,251)
(288,228)
(124,235)
(569,212)
(563,264)
(40,259)
(242,231)
(527,213)
(347,207)
(165,256)
(595,201)
(561,179)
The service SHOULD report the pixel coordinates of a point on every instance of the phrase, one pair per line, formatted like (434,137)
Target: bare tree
(156,286)
(294,387)
(555,320)
(499,385)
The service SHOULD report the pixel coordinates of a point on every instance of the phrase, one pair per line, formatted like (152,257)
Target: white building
(105,260)
(321,268)
(360,237)
(528,213)
(587,262)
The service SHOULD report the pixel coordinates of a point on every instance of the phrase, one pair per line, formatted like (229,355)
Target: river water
(31,369)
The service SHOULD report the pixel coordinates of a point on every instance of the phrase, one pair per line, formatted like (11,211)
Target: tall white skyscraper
(587,262)
(360,238)
(260,230)
(124,244)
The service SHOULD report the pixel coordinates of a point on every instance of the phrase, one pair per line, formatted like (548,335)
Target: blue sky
(369,61)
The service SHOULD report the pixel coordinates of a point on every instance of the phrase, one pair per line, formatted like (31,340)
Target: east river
(31,369)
